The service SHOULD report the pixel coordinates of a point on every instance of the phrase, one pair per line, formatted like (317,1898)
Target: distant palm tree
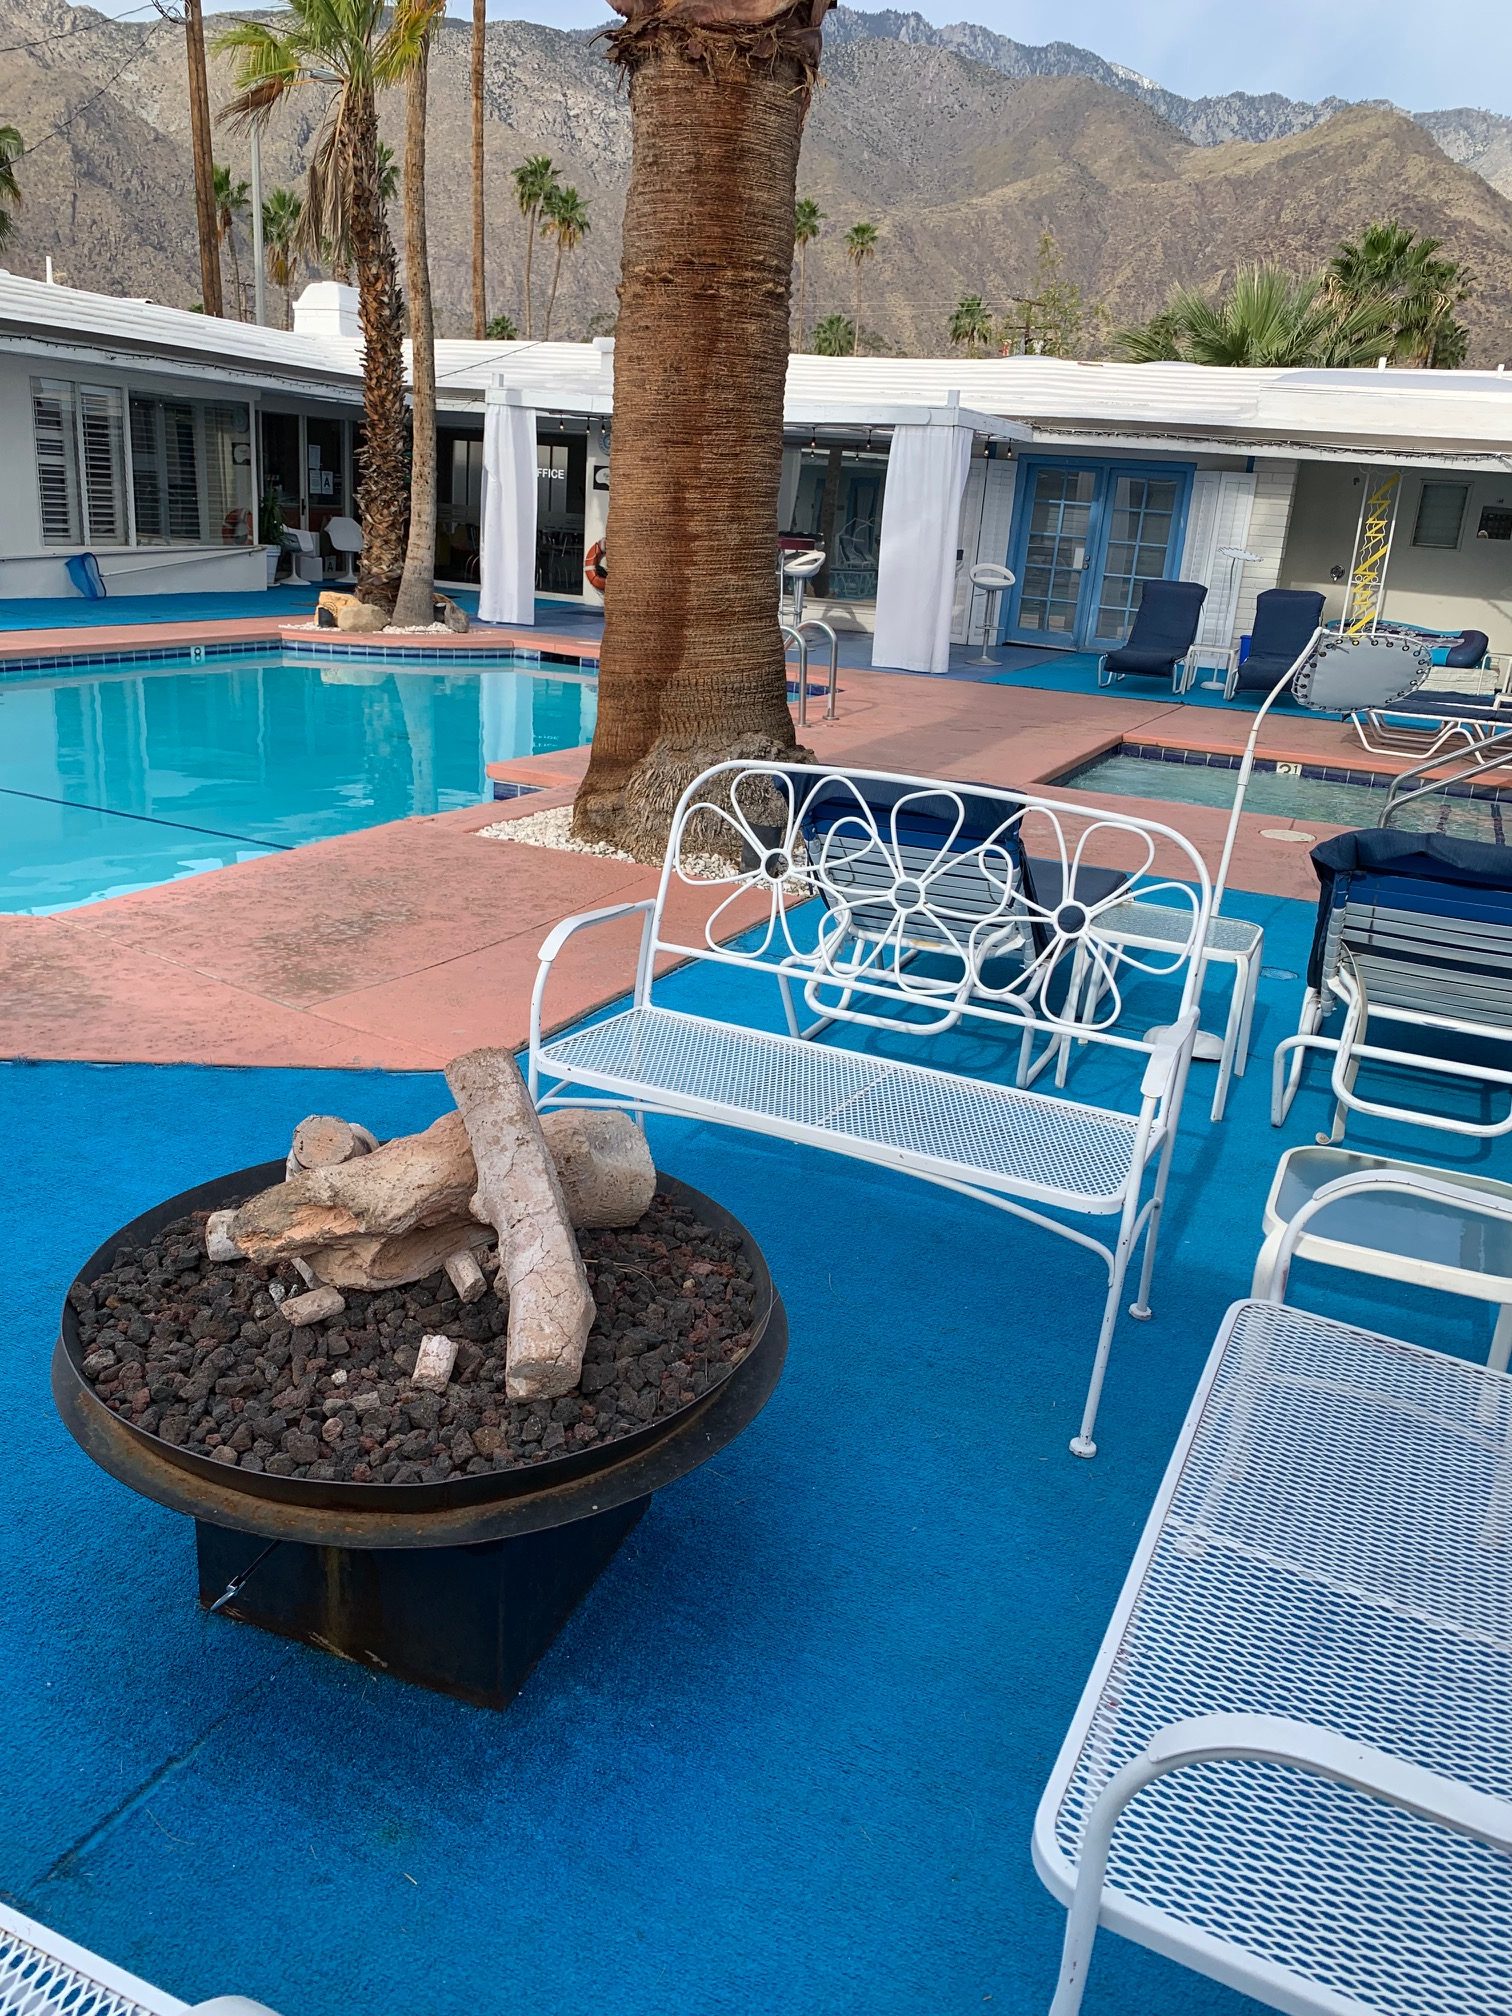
(807,217)
(502,329)
(860,245)
(230,204)
(535,179)
(1388,262)
(971,324)
(835,336)
(479,260)
(282,210)
(344,50)
(565,218)
(12,148)
(1268,317)
(405,59)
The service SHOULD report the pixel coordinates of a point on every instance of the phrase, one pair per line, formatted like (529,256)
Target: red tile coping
(397,946)
(272,629)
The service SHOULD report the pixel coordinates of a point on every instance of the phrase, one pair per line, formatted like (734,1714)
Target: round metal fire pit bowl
(507,1556)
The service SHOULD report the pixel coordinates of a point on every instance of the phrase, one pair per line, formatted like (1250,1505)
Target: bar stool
(799,570)
(992,580)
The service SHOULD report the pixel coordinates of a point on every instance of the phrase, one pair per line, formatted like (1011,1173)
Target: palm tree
(230,204)
(282,210)
(479,261)
(691,670)
(339,48)
(971,324)
(12,147)
(502,329)
(1268,317)
(565,217)
(534,180)
(1388,262)
(406,57)
(200,151)
(388,173)
(807,217)
(835,336)
(860,245)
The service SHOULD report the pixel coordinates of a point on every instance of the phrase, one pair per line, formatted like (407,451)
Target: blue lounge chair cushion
(1165,627)
(1285,618)
(1469,651)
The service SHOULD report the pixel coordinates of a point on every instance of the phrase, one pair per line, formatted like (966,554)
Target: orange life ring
(594,571)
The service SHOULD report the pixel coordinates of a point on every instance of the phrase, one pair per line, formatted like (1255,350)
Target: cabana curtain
(916,561)
(506,577)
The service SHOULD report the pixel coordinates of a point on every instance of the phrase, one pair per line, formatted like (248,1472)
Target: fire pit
(457,1582)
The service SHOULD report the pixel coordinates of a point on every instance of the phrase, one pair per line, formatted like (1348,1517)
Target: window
(1440,514)
(81,462)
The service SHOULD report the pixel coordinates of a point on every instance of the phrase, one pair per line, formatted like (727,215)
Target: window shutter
(57,460)
(103,460)
(147,473)
(1440,514)
(181,468)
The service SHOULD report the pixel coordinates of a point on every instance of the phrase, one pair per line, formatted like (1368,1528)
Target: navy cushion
(1470,649)
(1131,659)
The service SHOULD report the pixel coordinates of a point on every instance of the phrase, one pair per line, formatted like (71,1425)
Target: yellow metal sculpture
(1367,578)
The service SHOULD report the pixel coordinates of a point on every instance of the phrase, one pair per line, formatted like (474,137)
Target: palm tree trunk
(382,493)
(479,262)
(692,666)
(803,295)
(204,167)
(288,294)
(238,305)
(530,225)
(416,603)
(556,275)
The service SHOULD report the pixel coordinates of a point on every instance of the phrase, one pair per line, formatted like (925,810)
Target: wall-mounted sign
(601,475)
(1495,522)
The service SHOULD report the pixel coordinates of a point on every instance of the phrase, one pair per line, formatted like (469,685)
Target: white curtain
(506,580)
(916,562)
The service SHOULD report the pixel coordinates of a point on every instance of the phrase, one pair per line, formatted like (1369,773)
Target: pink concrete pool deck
(396,947)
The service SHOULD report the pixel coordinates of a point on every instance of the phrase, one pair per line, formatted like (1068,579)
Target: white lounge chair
(1290,1769)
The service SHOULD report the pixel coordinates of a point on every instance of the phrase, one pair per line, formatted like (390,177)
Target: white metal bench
(1291,1768)
(930,924)
(43,1974)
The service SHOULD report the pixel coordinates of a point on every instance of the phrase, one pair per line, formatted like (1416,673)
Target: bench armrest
(1272,1739)
(1172,1043)
(557,937)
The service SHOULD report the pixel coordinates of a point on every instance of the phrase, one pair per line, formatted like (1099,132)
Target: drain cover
(1288,834)
(1277,973)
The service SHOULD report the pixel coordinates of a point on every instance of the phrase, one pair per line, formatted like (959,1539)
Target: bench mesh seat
(1169,925)
(34,1982)
(987,1131)
(1338,1549)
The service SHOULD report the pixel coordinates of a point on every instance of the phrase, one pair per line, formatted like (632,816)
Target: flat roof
(1462,418)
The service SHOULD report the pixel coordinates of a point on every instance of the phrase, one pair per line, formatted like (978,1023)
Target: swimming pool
(117,776)
(1333,797)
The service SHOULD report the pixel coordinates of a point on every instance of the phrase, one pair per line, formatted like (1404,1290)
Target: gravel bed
(200,1355)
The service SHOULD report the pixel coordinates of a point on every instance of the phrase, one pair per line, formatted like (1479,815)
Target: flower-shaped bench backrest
(915,903)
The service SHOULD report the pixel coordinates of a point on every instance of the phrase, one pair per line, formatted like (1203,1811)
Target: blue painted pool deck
(784,1759)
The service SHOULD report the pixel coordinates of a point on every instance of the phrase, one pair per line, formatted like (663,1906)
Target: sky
(1425,55)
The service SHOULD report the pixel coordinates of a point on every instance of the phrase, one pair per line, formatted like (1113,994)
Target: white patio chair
(345,535)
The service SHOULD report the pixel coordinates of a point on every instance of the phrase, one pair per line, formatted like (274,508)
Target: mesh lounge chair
(1414,930)
(1165,628)
(1286,620)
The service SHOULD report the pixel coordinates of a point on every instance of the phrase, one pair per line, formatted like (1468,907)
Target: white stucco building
(147,436)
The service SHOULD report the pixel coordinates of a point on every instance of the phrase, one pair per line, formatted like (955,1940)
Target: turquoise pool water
(1330,799)
(119,779)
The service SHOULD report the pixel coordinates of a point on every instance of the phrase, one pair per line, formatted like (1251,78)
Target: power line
(94,96)
(71,34)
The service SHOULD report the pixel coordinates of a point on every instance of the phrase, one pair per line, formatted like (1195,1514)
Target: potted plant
(270,529)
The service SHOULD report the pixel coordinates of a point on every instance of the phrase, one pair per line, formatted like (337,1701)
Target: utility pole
(259,275)
(479,251)
(1028,302)
(201,147)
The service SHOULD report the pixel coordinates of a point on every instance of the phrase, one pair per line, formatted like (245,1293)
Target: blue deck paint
(786,1756)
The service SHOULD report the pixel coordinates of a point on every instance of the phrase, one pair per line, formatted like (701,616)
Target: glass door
(1088,536)
(1055,556)
(1141,516)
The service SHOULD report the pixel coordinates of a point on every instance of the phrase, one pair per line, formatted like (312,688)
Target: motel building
(149,436)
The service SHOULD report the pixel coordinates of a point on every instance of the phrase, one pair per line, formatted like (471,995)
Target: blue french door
(1087,536)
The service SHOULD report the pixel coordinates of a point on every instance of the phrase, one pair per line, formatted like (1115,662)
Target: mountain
(961,159)
(1478,140)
